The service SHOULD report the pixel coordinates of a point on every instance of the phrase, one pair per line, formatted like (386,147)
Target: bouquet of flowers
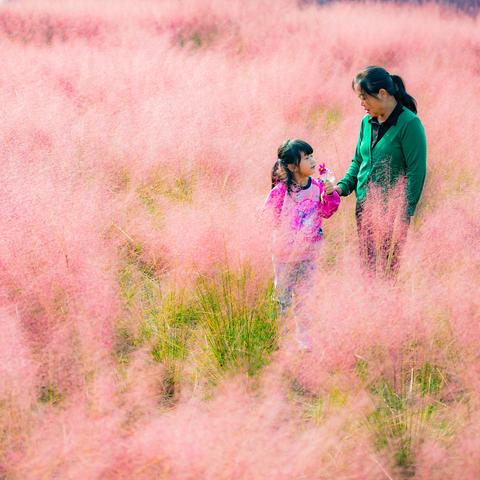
(326,174)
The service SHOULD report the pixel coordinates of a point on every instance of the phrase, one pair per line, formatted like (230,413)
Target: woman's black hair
(372,79)
(289,153)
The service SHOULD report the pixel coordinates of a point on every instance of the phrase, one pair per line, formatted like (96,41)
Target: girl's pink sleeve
(328,203)
(275,198)
(273,203)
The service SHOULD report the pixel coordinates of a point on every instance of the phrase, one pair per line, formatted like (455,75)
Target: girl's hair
(372,79)
(289,153)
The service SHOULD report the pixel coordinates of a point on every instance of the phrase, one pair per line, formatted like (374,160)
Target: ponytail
(401,94)
(289,181)
(277,173)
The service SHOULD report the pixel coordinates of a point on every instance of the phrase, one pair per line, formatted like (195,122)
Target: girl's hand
(338,190)
(328,187)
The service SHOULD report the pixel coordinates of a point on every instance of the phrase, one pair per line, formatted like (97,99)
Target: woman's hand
(338,189)
(328,187)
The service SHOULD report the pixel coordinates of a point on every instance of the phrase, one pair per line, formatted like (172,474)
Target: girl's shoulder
(317,183)
(279,189)
(276,195)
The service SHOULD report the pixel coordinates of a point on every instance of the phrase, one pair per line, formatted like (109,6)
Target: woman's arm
(414,146)
(349,182)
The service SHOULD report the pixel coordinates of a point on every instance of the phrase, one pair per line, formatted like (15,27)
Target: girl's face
(373,106)
(307,165)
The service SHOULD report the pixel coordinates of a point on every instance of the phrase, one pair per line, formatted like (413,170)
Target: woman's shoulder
(407,117)
(365,120)
(410,124)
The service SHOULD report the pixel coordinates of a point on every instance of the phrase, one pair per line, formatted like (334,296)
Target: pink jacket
(297,219)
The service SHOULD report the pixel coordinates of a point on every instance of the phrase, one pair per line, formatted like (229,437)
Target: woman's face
(373,106)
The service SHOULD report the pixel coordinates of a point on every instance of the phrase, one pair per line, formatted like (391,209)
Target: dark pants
(381,240)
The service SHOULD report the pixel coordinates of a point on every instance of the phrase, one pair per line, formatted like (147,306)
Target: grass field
(139,337)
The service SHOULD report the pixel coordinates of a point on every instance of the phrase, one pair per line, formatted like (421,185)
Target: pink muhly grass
(224,230)
(451,451)
(56,269)
(70,443)
(18,390)
(43,29)
(142,137)
(240,436)
(447,256)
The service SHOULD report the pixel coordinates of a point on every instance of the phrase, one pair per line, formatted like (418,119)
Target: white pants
(291,283)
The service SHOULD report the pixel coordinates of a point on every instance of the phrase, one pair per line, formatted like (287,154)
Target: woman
(391,146)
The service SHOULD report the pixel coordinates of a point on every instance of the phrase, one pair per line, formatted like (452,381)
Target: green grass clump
(170,326)
(181,190)
(317,407)
(403,406)
(225,321)
(178,190)
(197,36)
(239,318)
(327,118)
(161,317)
(49,394)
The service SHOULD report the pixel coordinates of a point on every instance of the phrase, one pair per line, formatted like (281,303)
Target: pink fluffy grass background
(99,101)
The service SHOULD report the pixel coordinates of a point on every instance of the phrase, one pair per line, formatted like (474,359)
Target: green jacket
(401,152)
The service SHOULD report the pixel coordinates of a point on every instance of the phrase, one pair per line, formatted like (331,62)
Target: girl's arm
(328,203)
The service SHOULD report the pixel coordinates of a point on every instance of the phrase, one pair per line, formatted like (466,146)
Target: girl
(297,204)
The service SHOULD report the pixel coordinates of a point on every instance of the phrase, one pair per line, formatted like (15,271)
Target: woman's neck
(388,110)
